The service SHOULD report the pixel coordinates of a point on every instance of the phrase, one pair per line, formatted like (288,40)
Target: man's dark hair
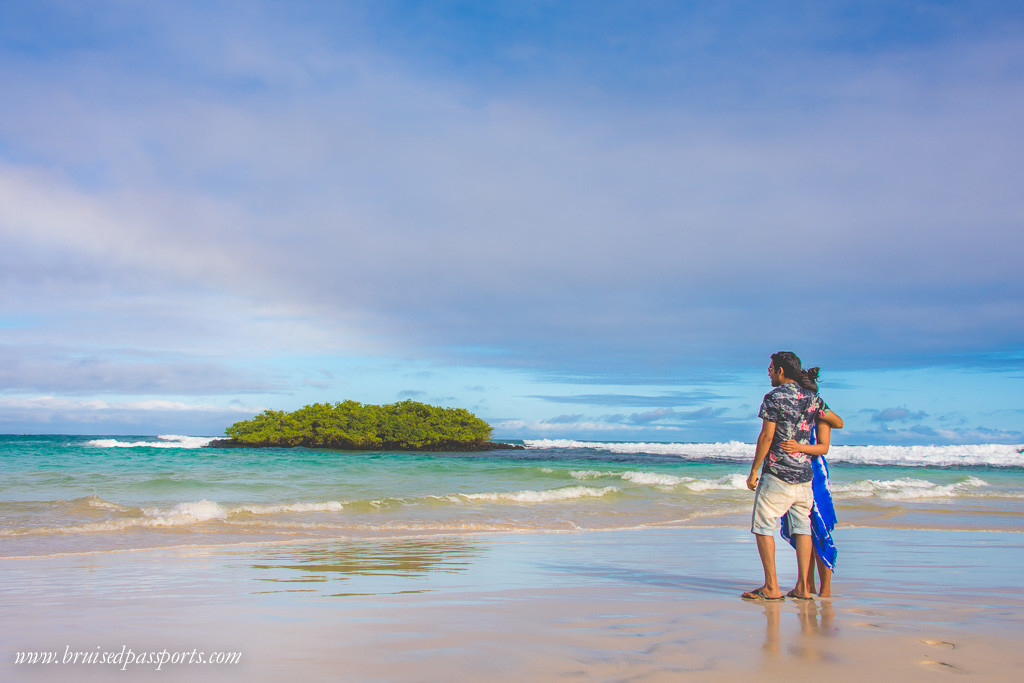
(789,363)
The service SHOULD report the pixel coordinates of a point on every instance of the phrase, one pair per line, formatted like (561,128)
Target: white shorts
(776,498)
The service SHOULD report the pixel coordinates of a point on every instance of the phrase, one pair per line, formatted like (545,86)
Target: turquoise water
(78,494)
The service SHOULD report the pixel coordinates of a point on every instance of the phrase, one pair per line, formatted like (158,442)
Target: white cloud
(59,415)
(55,404)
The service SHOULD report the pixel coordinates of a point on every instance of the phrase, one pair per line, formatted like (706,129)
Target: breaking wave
(165,441)
(731,481)
(971,455)
(565,493)
(908,488)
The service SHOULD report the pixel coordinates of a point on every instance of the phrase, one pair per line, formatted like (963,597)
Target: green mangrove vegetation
(350,425)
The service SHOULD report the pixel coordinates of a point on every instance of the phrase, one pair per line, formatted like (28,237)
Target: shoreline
(655,604)
(405,536)
(31,546)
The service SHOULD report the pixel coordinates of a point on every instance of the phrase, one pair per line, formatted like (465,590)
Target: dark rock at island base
(224,443)
(467,448)
(497,446)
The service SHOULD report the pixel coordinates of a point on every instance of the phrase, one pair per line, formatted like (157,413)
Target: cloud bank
(203,200)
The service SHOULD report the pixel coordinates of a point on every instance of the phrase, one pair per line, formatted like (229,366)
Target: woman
(823,515)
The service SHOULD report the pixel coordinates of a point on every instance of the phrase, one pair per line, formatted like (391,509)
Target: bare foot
(799,596)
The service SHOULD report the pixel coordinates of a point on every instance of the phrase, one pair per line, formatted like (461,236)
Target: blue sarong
(823,516)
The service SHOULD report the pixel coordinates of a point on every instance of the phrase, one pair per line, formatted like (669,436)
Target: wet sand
(656,604)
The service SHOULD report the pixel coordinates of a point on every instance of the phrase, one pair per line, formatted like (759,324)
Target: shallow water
(64,494)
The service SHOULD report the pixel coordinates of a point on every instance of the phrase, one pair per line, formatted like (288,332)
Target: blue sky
(577,219)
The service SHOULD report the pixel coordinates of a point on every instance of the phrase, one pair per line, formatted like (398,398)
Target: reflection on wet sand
(816,618)
(377,563)
(772,611)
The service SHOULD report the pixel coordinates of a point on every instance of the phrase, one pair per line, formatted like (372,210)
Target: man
(789,411)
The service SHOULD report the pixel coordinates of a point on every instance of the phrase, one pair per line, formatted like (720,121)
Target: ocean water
(75,494)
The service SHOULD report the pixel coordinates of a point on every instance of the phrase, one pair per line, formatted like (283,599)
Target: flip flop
(759,595)
(797,597)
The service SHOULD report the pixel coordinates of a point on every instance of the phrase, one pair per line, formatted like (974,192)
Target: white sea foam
(165,441)
(196,512)
(184,514)
(998,455)
(653,478)
(729,450)
(180,515)
(726,483)
(329,506)
(564,493)
(907,488)
(730,482)
(584,475)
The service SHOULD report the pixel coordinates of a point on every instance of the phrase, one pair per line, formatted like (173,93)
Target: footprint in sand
(941,666)
(940,643)
(864,624)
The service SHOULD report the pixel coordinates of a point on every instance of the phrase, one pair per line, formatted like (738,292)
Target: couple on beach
(792,414)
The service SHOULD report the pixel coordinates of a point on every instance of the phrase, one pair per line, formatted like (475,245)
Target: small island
(353,426)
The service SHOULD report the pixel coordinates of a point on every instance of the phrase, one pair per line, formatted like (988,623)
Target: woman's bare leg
(826,578)
(810,574)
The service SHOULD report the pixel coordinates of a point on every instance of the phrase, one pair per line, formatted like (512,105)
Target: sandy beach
(437,342)
(654,604)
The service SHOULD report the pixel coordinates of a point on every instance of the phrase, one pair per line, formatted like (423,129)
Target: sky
(580,220)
